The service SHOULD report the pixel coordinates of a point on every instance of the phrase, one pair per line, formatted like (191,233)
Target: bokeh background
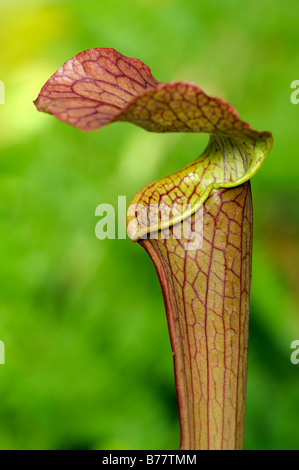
(88,359)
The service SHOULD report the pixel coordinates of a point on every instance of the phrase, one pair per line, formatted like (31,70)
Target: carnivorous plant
(206,285)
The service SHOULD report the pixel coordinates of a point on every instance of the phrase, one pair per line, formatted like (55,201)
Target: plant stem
(206,294)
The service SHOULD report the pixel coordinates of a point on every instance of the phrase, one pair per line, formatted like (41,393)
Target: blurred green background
(88,359)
